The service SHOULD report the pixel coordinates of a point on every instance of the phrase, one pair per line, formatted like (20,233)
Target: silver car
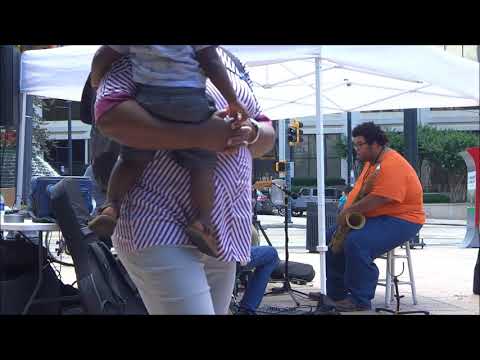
(306,195)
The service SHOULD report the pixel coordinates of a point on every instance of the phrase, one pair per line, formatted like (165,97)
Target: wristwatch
(256,125)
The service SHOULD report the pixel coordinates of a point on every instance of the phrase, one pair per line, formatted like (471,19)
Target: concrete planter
(446,211)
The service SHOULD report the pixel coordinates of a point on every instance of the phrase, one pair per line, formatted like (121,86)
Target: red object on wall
(475,154)
(8,137)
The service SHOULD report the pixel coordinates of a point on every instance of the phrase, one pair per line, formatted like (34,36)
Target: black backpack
(103,283)
(108,289)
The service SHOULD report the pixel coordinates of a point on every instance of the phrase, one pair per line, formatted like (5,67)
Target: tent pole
(322,248)
(281,140)
(21,152)
(70,146)
(410,118)
(27,148)
(349,148)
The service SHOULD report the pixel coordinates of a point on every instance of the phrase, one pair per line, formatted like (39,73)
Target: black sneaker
(349,305)
(242,311)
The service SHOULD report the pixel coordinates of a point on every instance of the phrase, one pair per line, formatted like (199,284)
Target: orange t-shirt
(396,180)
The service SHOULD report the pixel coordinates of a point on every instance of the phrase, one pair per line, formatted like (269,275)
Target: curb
(282,226)
(444,224)
(300,226)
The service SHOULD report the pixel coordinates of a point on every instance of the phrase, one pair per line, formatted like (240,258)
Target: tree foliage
(39,132)
(440,147)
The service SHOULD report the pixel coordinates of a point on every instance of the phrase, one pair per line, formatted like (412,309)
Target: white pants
(180,280)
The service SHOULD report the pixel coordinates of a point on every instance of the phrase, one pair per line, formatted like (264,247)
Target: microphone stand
(255,221)
(286,281)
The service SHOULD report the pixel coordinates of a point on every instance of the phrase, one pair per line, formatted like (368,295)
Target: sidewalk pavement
(443,278)
(446,222)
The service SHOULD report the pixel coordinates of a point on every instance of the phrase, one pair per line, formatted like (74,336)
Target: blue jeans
(264,259)
(353,272)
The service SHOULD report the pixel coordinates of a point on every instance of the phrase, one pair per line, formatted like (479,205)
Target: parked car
(306,195)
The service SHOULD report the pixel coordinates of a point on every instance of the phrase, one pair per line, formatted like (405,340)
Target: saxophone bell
(355,221)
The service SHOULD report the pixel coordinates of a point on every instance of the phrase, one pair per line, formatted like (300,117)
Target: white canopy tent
(354,78)
(293,81)
(359,78)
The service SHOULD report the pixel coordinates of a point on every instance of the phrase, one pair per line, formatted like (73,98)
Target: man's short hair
(371,132)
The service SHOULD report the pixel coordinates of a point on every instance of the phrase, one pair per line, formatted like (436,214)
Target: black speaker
(18,277)
(9,86)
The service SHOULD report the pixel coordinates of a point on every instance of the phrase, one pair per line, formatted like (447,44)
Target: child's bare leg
(202,193)
(124,175)
(201,230)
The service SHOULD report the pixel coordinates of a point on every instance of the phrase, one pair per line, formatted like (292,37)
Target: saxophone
(353,220)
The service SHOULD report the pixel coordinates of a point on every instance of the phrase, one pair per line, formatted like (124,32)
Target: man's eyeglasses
(359,145)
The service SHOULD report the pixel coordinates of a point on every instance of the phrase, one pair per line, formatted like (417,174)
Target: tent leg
(349,149)
(21,152)
(320,178)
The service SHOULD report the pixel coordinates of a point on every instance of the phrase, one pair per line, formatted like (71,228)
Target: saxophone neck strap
(384,148)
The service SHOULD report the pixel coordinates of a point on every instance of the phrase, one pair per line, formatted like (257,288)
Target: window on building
(332,160)
(474,108)
(57,156)
(305,157)
(381,111)
(57,110)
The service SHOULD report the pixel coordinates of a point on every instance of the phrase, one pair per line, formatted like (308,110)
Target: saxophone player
(389,195)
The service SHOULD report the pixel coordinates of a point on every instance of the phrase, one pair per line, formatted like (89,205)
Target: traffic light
(281,166)
(292,136)
(299,132)
(295,133)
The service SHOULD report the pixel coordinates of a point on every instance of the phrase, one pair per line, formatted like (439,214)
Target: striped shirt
(158,208)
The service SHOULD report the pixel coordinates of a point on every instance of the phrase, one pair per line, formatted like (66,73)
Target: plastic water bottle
(2,209)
